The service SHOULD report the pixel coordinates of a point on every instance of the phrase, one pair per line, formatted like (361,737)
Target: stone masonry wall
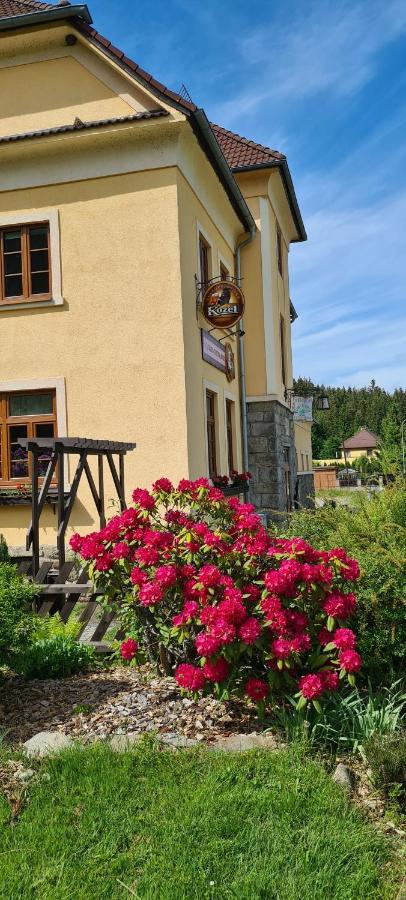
(305,490)
(270,430)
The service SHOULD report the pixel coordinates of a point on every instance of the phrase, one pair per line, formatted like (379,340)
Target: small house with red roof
(363,443)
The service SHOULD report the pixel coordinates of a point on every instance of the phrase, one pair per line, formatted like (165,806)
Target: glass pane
(39,260)
(44,430)
(30,405)
(38,237)
(18,456)
(12,264)
(1,461)
(12,240)
(13,286)
(40,283)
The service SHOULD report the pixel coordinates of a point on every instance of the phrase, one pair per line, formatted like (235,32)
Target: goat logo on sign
(223,304)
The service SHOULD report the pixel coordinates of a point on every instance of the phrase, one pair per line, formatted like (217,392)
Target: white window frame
(52,217)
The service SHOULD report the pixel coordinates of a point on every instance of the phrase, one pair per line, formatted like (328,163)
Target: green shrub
(54,657)
(386,755)
(4,554)
(16,617)
(374,532)
(347,722)
(53,626)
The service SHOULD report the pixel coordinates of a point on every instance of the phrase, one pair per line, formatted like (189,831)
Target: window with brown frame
(283,349)
(279,250)
(204,258)
(25,265)
(229,430)
(24,414)
(286,470)
(224,273)
(211,433)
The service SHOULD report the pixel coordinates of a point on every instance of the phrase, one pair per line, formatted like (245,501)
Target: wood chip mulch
(114,701)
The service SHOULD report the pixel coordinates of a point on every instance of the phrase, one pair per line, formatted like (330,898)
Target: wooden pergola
(60,448)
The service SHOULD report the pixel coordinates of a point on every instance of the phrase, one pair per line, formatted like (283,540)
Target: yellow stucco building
(118,199)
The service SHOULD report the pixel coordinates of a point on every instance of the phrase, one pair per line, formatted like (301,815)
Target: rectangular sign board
(303,408)
(213,351)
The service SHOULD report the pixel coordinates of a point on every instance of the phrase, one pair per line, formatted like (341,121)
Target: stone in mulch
(46,742)
(344,777)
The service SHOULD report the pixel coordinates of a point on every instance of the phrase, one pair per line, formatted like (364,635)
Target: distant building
(363,443)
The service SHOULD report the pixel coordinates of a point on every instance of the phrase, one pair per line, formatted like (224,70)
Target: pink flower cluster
(246,609)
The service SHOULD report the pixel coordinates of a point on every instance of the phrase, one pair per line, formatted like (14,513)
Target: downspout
(241,356)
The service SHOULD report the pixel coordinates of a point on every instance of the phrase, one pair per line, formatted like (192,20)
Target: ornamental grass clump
(201,587)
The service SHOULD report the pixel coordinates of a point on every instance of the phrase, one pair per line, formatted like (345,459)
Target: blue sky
(325,83)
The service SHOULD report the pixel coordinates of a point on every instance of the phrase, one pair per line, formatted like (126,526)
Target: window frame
(224,271)
(211,433)
(229,428)
(30,421)
(26,272)
(204,260)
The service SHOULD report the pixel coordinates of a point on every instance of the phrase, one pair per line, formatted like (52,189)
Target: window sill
(31,304)
(12,497)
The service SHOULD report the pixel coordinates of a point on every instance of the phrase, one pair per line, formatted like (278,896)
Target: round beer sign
(223,304)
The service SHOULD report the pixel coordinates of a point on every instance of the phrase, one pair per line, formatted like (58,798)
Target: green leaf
(351,680)
(317,706)
(301,703)
(330,623)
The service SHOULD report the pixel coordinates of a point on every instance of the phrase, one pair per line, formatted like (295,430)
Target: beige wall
(267,293)
(303,446)
(117,340)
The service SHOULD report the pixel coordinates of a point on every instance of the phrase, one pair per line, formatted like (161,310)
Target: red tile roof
(78,125)
(362,440)
(21,7)
(242,153)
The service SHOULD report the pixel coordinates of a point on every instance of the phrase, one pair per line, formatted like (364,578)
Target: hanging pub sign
(223,304)
(303,408)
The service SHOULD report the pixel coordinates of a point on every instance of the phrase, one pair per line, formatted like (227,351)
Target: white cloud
(319,47)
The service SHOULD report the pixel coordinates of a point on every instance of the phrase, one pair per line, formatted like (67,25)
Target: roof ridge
(248,142)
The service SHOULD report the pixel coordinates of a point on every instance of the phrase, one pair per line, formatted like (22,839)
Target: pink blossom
(189,611)
(189,677)
(104,563)
(209,614)
(225,632)
(324,637)
(143,498)
(344,639)
(216,670)
(249,631)
(75,542)
(297,621)
(166,575)
(121,550)
(301,643)
(163,486)
(281,648)
(147,555)
(128,649)
(339,606)
(150,594)
(329,679)
(350,660)
(256,689)
(138,576)
(206,644)
(232,610)
(209,576)
(311,686)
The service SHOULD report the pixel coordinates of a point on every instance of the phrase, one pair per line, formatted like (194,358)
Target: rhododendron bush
(203,588)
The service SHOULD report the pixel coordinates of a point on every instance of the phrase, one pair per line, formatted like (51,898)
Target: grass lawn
(191,824)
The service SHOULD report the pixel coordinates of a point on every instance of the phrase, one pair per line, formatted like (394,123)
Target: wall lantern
(322,403)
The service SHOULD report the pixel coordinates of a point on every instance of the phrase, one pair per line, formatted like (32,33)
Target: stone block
(46,742)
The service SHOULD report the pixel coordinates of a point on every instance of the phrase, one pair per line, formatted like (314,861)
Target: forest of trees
(354,408)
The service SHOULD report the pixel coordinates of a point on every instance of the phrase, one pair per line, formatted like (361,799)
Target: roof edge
(209,143)
(282,164)
(79,126)
(38,17)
